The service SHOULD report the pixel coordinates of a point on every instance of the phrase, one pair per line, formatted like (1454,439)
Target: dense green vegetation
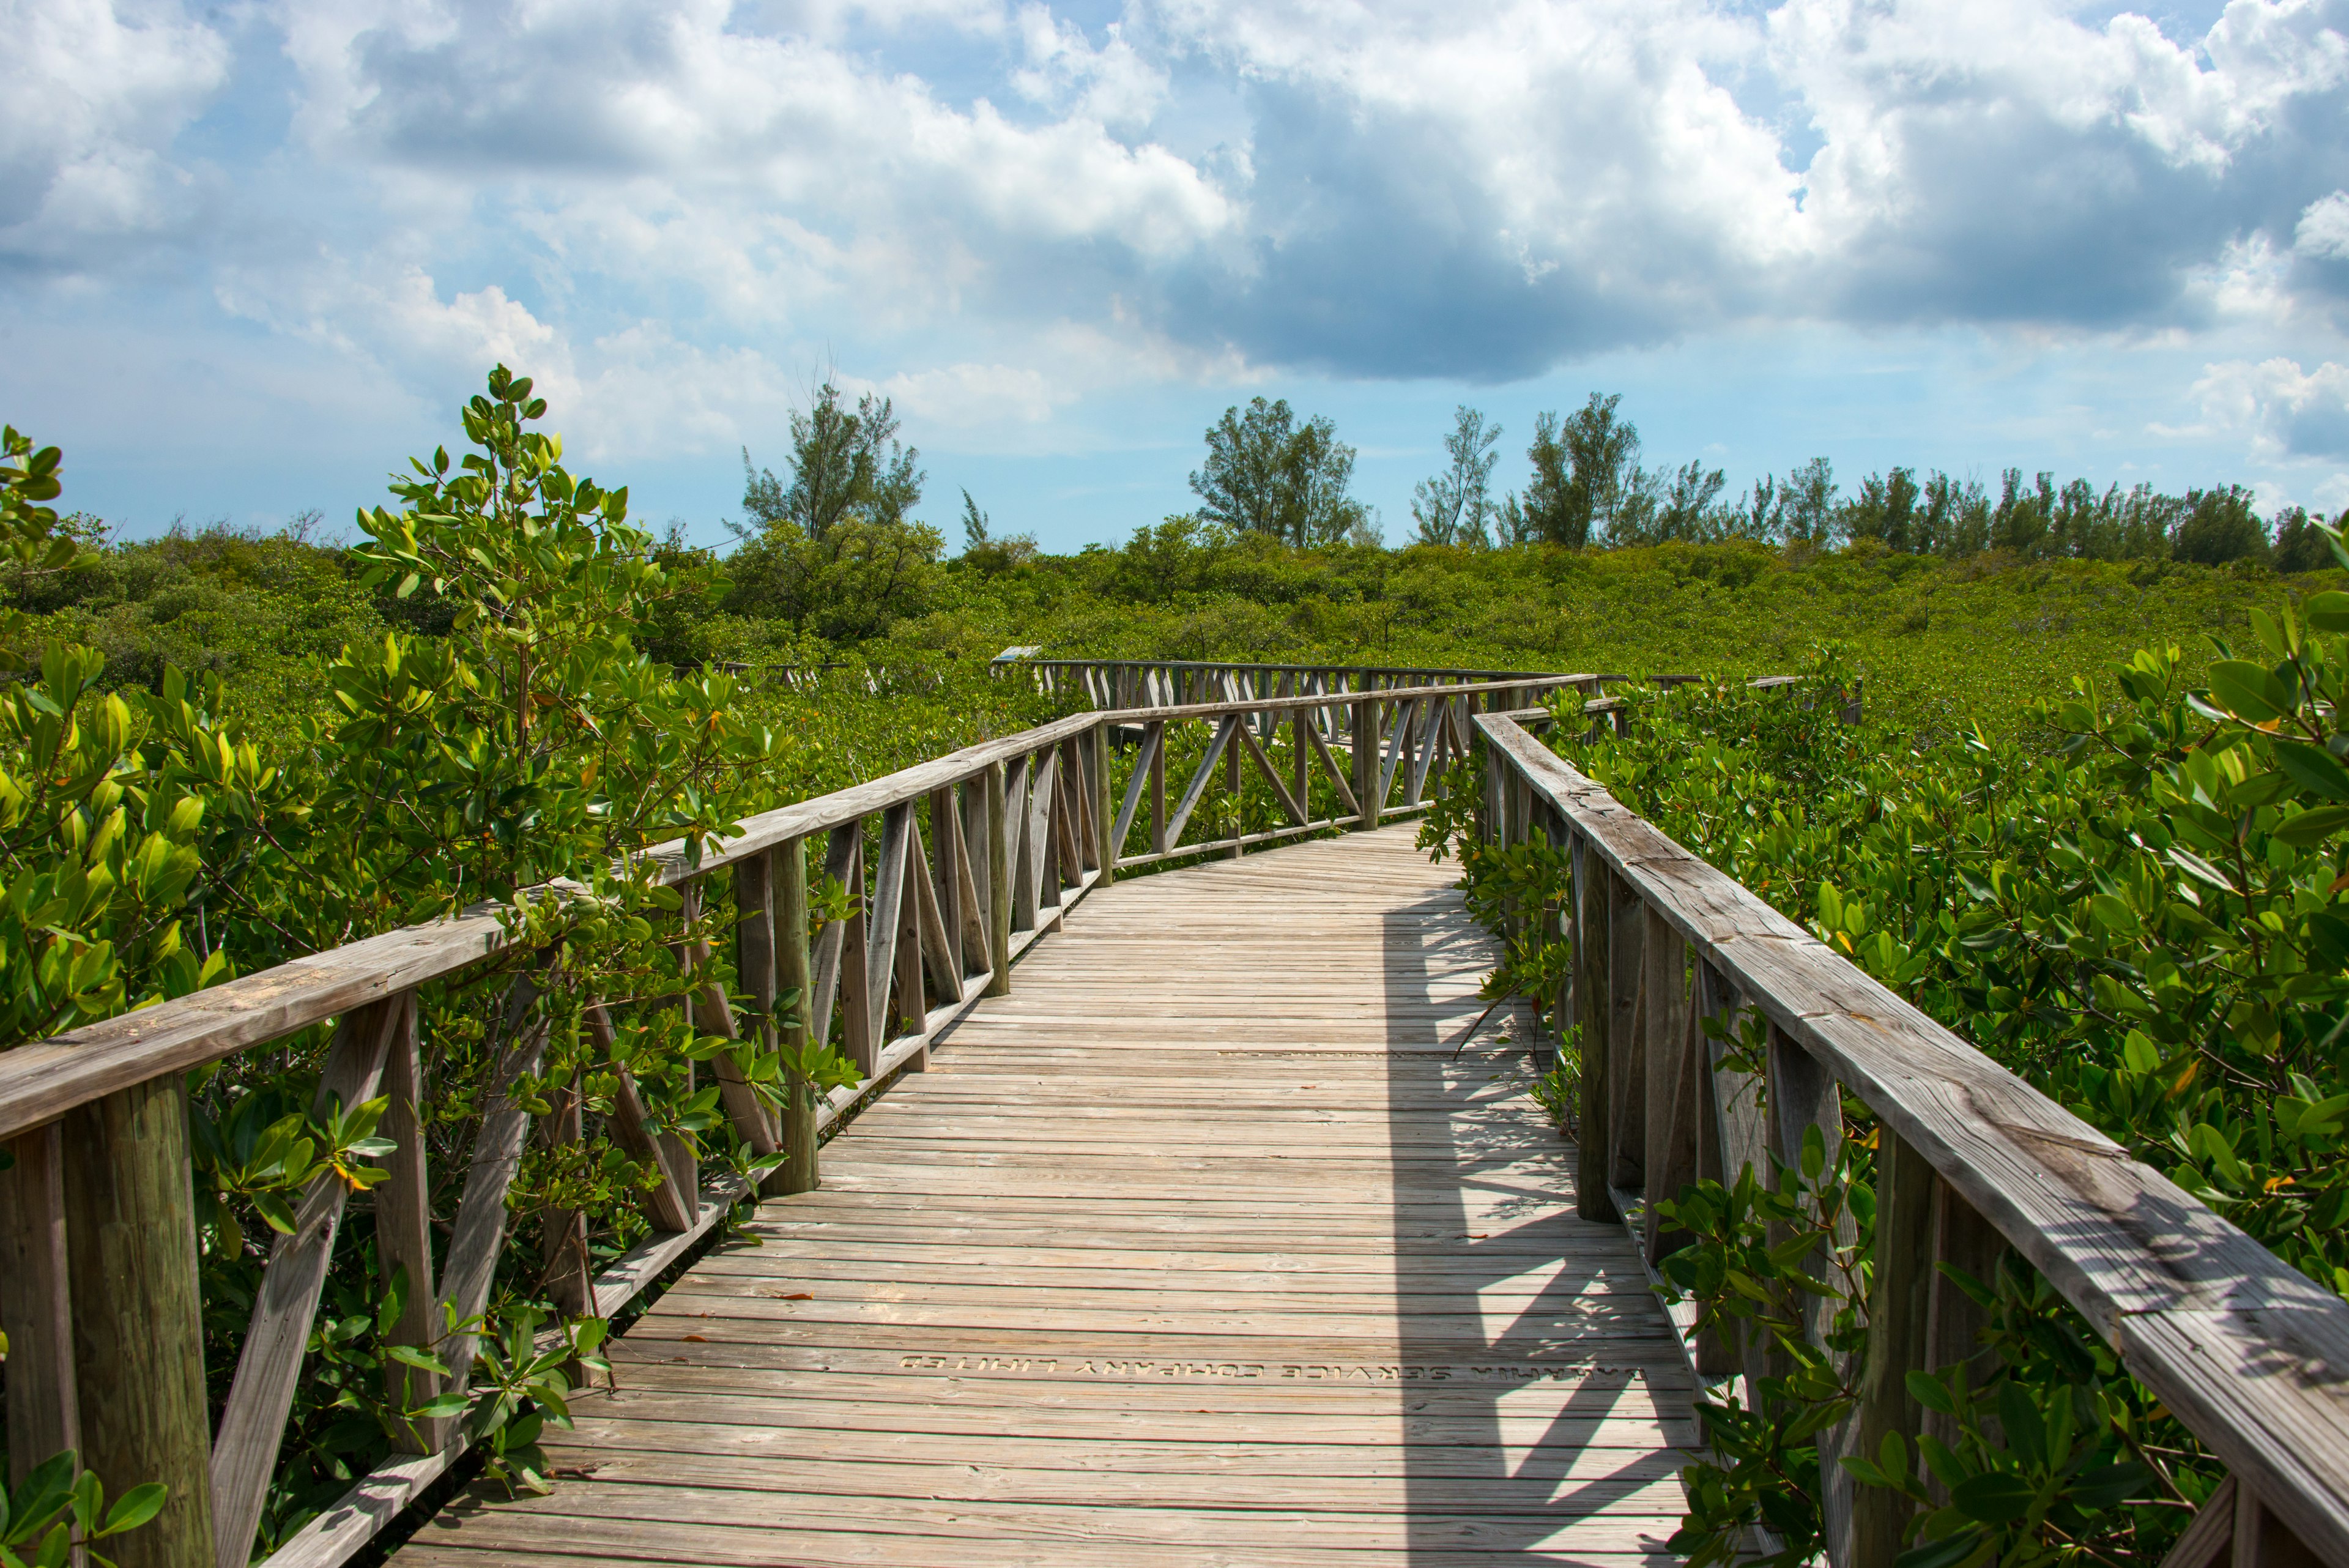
(2133,897)
(222,749)
(1938,640)
(450,714)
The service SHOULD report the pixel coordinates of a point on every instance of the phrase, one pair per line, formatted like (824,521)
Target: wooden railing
(1171,682)
(952,868)
(2248,1353)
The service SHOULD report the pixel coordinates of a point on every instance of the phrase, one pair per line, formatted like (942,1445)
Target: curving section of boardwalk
(1198,1248)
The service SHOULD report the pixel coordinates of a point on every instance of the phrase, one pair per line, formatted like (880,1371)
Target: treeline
(1590,488)
(829,556)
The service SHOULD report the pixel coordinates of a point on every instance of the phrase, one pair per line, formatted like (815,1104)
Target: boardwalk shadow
(1510,1304)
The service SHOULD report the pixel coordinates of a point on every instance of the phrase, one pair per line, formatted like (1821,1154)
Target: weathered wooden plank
(1669,1155)
(2124,1245)
(479,1230)
(138,1330)
(36,1305)
(998,890)
(1089,1271)
(889,874)
(1289,802)
(1146,761)
(1624,1042)
(1594,1011)
(403,1230)
(244,1447)
(1200,778)
(631,1129)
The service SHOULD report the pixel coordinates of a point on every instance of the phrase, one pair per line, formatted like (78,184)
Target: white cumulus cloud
(92,97)
(2286,411)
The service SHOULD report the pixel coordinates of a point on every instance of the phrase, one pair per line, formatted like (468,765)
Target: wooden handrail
(41,1080)
(980,853)
(1170,682)
(2248,1353)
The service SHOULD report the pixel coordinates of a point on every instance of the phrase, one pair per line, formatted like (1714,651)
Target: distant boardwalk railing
(953,868)
(2248,1353)
(1173,682)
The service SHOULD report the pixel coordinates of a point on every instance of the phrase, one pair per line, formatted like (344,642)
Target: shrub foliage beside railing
(2138,900)
(151,845)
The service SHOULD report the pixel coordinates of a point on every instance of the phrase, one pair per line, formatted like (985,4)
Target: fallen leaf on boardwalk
(695,1339)
(791,1297)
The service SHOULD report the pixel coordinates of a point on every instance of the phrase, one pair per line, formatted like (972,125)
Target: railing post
(1157,743)
(1900,1300)
(1232,783)
(1299,761)
(855,983)
(799,1172)
(1804,1096)
(1715,1356)
(36,1306)
(998,882)
(138,1325)
(1105,810)
(403,1233)
(1966,1242)
(1366,762)
(1669,1145)
(1593,1009)
(1627,1057)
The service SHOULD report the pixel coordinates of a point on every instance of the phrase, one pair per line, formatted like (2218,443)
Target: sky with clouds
(254,253)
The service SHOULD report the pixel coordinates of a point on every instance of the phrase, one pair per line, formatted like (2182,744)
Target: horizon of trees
(829,547)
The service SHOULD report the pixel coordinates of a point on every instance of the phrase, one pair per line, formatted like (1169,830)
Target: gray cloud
(1400,190)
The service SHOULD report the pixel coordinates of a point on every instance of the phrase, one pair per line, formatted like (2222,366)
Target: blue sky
(253,254)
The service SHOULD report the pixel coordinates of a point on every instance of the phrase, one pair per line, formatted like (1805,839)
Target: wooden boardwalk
(1198,1248)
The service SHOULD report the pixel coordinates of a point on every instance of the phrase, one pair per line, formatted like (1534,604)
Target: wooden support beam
(1672,1064)
(1300,760)
(1146,765)
(477,1234)
(1106,845)
(669,1206)
(36,1304)
(252,1422)
(1964,1240)
(1238,723)
(881,936)
(858,1041)
(403,1233)
(971,840)
(563,1234)
(998,889)
(946,877)
(1594,1012)
(1805,1098)
(138,1325)
(1337,774)
(1291,803)
(1368,798)
(712,1014)
(1398,743)
(1046,821)
(796,989)
(1899,1299)
(1626,1038)
(911,1010)
(1158,841)
(1197,787)
(1071,796)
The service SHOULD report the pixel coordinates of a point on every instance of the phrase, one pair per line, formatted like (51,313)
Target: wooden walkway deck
(1197,1249)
